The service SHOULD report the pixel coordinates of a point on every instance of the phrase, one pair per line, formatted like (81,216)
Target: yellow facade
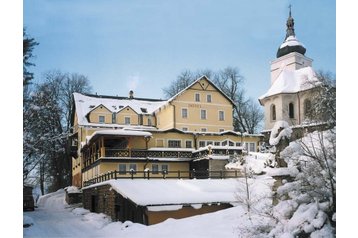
(198,116)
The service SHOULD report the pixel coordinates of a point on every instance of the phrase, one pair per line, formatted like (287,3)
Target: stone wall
(100,199)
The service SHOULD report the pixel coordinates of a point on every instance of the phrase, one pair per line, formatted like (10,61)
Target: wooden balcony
(137,153)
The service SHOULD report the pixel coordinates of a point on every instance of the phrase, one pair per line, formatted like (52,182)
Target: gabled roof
(85,103)
(196,81)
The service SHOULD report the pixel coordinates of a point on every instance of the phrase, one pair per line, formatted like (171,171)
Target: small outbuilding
(153,201)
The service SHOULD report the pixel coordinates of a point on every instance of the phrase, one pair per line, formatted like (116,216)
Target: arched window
(307,107)
(273,112)
(291,112)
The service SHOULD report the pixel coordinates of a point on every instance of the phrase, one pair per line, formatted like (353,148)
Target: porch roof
(120,132)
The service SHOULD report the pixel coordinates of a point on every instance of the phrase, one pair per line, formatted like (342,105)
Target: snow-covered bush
(308,204)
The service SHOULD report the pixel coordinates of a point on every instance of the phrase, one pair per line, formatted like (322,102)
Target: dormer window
(101,119)
(144,110)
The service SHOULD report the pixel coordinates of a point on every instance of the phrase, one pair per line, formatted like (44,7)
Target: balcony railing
(146,153)
(179,174)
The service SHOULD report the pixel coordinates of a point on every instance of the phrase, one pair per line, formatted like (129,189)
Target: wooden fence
(179,174)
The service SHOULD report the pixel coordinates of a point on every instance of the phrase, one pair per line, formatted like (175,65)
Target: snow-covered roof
(173,192)
(119,132)
(291,41)
(85,103)
(293,81)
(200,78)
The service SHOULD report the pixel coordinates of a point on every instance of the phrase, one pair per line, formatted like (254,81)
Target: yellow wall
(127,112)
(194,122)
(100,111)
(165,118)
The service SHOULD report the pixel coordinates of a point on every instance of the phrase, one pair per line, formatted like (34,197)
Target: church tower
(291,80)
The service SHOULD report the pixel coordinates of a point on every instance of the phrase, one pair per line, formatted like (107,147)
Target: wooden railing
(180,174)
(146,153)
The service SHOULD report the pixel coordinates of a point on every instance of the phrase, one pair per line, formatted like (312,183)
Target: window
(291,112)
(149,121)
(184,113)
(217,143)
(221,116)
(197,97)
(184,129)
(101,119)
(224,143)
(209,143)
(231,143)
(201,143)
(208,98)
(221,130)
(133,167)
(273,112)
(113,117)
(188,144)
(155,169)
(174,144)
(204,130)
(165,168)
(307,107)
(238,144)
(252,147)
(127,120)
(203,114)
(122,168)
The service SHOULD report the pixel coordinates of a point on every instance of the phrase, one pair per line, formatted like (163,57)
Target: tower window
(291,112)
(307,107)
(273,112)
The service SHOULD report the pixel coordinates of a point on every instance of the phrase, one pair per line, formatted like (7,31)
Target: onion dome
(290,44)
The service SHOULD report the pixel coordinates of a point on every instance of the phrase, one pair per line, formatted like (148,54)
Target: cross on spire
(290,31)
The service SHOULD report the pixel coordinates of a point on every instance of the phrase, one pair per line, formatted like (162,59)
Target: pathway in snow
(53,218)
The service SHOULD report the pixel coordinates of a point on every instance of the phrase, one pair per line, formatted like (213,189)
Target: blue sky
(144,45)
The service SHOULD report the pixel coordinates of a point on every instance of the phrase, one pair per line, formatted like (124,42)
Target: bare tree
(183,80)
(47,127)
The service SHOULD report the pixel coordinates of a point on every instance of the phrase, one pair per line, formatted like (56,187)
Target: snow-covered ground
(54,218)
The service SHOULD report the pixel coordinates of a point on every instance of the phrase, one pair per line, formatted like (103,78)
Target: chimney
(131,94)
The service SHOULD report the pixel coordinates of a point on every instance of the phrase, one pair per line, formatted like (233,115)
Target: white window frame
(126,122)
(197,97)
(221,115)
(191,143)
(201,114)
(99,119)
(184,128)
(208,98)
(172,140)
(155,171)
(250,144)
(184,115)
(202,141)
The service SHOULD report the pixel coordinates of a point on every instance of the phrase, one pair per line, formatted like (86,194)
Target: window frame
(155,171)
(291,110)
(120,170)
(221,115)
(205,114)
(135,168)
(197,97)
(191,144)
(100,121)
(173,140)
(207,98)
(125,120)
(186,114)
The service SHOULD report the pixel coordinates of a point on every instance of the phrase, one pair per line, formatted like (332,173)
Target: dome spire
(290,44)
(290,31)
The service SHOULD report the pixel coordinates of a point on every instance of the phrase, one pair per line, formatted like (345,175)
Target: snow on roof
(119,132)
(293,81)
(291,41)
(206,78)
(173,192)
(85,104)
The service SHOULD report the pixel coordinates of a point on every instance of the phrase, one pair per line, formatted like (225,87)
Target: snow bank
(53,201)
(276,136)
